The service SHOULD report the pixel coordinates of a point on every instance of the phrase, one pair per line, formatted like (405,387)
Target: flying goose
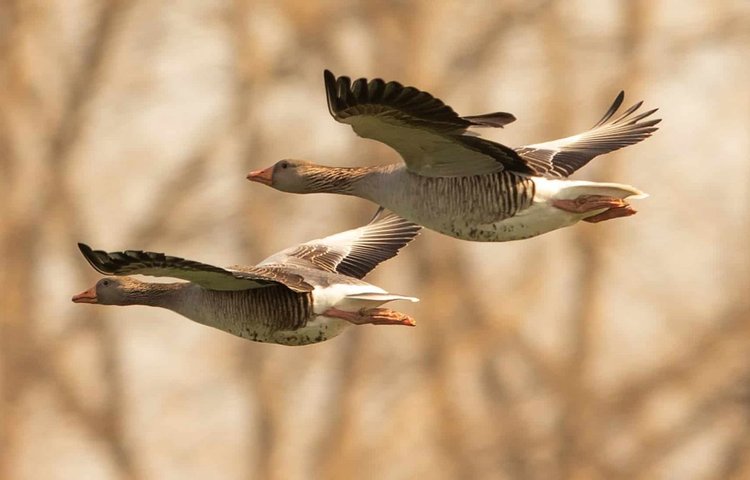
(304,294)
(457,183)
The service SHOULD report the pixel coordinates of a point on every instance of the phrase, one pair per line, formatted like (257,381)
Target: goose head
(293,176)
(114,291)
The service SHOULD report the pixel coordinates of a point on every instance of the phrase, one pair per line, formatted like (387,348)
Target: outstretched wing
(560,158)
(136,262)
(354,252)
(429,135)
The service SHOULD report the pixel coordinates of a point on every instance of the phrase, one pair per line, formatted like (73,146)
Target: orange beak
(264,176)
(88,296)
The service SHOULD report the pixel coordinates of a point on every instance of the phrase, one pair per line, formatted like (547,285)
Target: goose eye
(284,164)
(105,283)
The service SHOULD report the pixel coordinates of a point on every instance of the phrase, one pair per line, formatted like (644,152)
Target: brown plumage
(457,183)
(304,294)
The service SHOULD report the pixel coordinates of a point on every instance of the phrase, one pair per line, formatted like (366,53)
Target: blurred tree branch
(544,416)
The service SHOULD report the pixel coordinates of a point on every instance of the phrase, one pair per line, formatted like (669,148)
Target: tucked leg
(616,207)
(615,212)
(375,316)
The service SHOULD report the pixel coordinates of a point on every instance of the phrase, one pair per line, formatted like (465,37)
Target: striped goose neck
(154,294)
(341,180)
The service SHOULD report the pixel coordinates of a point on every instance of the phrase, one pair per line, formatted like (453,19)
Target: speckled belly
(537,219)
(318,330)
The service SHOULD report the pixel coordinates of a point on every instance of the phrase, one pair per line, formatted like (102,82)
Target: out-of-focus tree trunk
(580,442)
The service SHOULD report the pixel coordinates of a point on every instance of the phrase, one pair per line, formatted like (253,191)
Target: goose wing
(428,134)
(354,252)
(560,158)
(136,262)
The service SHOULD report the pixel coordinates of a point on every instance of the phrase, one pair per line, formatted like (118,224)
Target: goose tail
(574,189)
(591,201)
(381,297)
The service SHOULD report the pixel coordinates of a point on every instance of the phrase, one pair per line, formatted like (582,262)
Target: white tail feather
(572,189)
(380,297)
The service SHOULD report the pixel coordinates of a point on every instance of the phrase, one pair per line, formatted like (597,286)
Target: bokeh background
(619,350)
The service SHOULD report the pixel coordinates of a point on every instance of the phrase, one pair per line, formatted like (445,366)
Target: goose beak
(264,176)
(88,296)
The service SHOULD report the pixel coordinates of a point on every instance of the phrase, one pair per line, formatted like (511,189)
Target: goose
(457,183)
(301,295)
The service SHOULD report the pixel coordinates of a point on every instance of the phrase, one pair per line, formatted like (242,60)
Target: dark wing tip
(377,215)
(643,115)
(97,259)
(495,120)
(627,117)
(347,98)
(612,109)
(329,80)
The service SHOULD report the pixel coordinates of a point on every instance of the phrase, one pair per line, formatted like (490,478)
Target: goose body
(493,207)
(305,294)
(456,183)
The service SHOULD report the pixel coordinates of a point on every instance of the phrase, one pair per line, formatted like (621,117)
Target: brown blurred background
(619,350)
